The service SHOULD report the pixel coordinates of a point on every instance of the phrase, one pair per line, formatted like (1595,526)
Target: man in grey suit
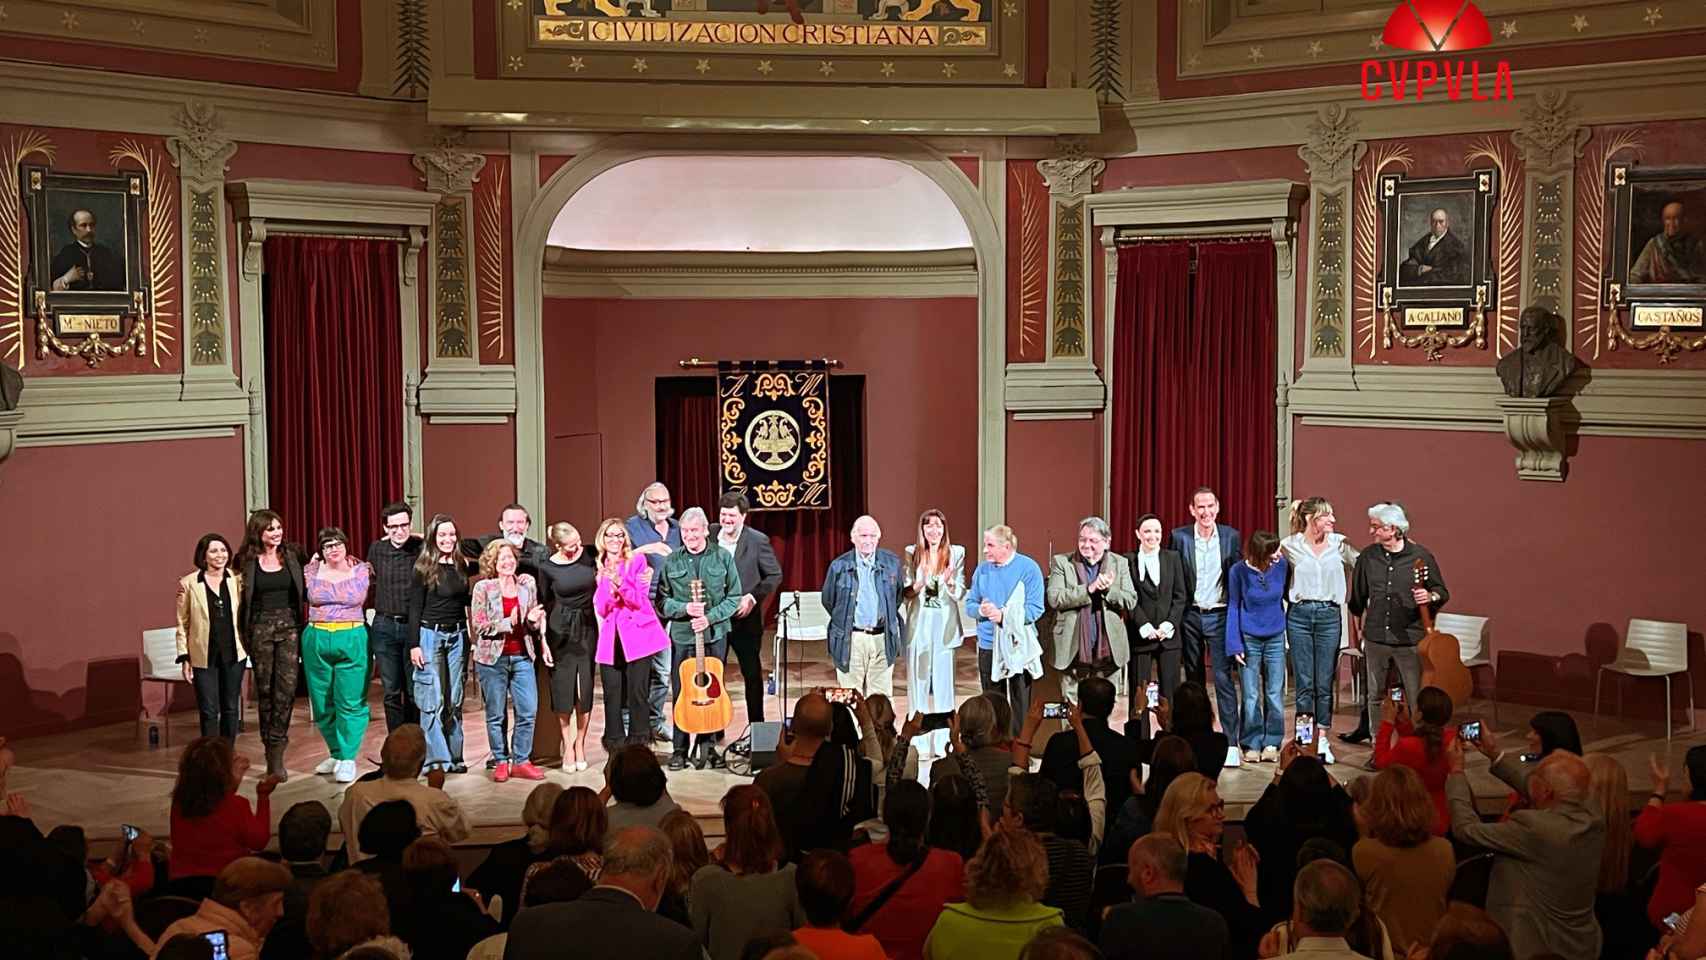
(616,920)
(760,575)
(1545,859)
(1090,592)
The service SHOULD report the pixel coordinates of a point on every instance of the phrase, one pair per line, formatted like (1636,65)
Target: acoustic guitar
(1442,655)
(704,705)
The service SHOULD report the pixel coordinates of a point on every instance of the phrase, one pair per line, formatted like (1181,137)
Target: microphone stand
(779,676)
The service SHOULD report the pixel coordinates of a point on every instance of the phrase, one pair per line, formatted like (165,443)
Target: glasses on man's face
(397,526)
(658,503)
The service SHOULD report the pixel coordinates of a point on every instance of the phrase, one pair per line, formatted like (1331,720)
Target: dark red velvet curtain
(334,375)
(1193,371)
(805,540)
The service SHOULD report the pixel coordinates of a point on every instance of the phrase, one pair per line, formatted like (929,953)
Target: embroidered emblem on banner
(773,420)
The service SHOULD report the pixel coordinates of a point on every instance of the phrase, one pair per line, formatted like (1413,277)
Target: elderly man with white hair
(1006,599)
(1545,857)
(862,592)
(401,759)
(1388,597)
(706,616)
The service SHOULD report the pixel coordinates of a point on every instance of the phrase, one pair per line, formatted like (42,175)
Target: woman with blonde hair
(568,579)
(1621,913)
(687,839)
(1405,869)
(1321,560)
(1000,913)
(934,570)
(629,635)
(502,871)
(506,615)
(1193,814)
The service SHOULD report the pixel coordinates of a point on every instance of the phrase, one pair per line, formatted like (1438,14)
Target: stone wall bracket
(1535,427)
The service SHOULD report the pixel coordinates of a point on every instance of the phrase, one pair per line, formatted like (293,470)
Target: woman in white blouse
(1320,559)
(935,584)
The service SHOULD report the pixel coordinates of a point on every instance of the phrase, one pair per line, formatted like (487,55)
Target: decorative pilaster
(1549,142)
(1535,426)
(451,172)
(201,153)
(1331,155)
(1070,178)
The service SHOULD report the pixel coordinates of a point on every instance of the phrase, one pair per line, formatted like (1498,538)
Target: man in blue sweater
(992,583)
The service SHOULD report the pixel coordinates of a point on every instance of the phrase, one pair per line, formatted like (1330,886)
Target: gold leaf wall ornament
(1590,236)
(1508,230)
(162,241)
(493,230)
(1033,247)
(773,386)
(733,473)
(1365,238)
(1069,280)
(206,331)
(22,145)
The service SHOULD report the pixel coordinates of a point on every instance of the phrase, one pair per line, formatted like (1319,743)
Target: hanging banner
(773,426)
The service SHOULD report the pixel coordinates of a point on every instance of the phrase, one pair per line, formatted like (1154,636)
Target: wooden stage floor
(106,776)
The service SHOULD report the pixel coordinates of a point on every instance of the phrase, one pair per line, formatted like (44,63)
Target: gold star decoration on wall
(68,20)
(826,67)
(640,65)
(703,66)
(137,26)
(1508,29)
(1009,70)
(577,64)
(887,69)
(1578,23)
(1315,48)
(764,67)
(515,64)
(949,69)
(1654,15)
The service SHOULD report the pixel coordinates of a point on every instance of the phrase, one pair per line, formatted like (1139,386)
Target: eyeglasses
(329,544)
(397,526)
(658,503)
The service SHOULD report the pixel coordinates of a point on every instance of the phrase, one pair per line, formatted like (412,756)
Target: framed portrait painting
(1655,256)
(1437,267)
(85,269)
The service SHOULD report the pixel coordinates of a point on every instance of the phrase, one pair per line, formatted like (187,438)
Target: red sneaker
(527,771)
(500,773)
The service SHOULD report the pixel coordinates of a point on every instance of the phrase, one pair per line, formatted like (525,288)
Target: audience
(1326,902)
(302,835)
(347,910)
(212,825)
(824,883)
(900,886)
(687,844)
(1193,814)
(957,818)
(1421,747)
(441,922)
(437,814)
(747,888)
(784,783)
(1678,832)
(976,730)
(578,829)
(384,834)
(1059,943)
(895,755)
(501,873)
(1163,923)
(1033,804)
(1000,913)
(1548,731)
(1303,803)
(1171,756)
(1617,905)
(637,789)
(1545,859)
(1467,932)
(1406,871)
(1061,755)
(247,899)
(1190,716)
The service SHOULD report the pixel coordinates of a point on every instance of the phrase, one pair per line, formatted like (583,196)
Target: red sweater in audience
(905,919)
(1679,831)
(1412,751)
(202,846)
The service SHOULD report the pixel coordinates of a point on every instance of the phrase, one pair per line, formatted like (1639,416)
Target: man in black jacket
(1387,594)
(1162,923)
(760,575)
(513,521)
(615,920)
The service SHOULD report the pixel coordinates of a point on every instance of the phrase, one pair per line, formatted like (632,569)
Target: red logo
(1435,26)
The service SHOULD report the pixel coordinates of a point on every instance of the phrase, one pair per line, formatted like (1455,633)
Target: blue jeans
(1264,684)
(1211,626)
(662,681)
(438,694)
(388,640)
(509,681)
(1313,626)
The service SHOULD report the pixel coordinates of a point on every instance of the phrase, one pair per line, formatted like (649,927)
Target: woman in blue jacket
(1255,637)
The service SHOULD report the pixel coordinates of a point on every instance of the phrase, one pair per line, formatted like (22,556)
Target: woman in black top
(438,627)
(271,607)
(1303,803)
(209,649)
(567,581)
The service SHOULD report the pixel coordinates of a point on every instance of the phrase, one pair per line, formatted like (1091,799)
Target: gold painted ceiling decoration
(299,33)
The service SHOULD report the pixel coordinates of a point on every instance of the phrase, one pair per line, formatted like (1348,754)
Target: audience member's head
(1173,755)
(1306,788)
(1192,812)
(1072,817)
(1096,696)
(1398,811)
(345,909)
(578,823)
(687,843)
(635,776)
(1010,869)
(1321,848)
(1191,712)
(1551,730)
(379,948)
(1695,763)
(206,776)
(1326,900)
(824,883)
(1561,777)
(1059,943)
(430,867)
(844,727)
(387,830)
(977,722)
(1468,933)
(1608,794)
(906,812)
(404,752)
(639,860)
(1003,708)
(536,815)
(881,709)
(753,842)
(1032,801)
(185,946)
(558,881)
(303,831)
(954,823)
(1433,715)
(1156,864)
(813,720)
(254,888)
(71,841)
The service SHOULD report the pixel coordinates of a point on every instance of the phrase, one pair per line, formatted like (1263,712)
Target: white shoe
(1270,754)
(1252,756)
(1326,751)
(328,765)
(1232,757)
(580,765)
(344,771)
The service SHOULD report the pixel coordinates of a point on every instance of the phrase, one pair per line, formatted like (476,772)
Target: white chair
(804,614)
(1474,643)
(160,665)
(1357,679)
(1651,648)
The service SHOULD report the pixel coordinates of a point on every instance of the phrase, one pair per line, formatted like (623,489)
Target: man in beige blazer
(1090,592)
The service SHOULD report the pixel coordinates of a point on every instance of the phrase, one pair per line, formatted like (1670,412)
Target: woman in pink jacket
(628,635)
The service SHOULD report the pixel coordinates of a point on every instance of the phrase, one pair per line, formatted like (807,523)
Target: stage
(106,776)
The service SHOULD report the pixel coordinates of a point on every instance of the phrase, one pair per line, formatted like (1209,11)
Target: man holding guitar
(698,596)
(1385,595)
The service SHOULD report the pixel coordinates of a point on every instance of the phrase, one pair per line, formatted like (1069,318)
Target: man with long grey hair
(655,534)
(1387,594)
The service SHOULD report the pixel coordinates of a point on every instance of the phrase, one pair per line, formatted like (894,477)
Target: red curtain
(1193,371)
(334,375)
(805,540)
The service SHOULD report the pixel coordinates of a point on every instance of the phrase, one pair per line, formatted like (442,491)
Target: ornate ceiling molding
(300,33)
(200,151)
(447,167)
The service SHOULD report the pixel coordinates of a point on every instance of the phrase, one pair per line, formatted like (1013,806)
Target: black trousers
(1144,665)
(219,698)
(627,687)
(746,636)
(1017,689)
(1193,645)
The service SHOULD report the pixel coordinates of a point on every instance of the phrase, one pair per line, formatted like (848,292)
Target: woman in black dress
(566,583)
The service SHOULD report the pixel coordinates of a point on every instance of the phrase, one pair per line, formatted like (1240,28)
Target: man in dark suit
(1207,550)
(760,575)
(1438,259)
(513,522)
(1157,623)
(616,920)
(1162,923)
(84,264)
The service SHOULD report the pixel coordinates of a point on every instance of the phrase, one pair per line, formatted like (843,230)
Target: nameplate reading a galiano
(1433,316)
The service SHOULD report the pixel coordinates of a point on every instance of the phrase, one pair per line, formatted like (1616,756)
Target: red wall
(919,358)
(468,471)
(1054,479)
(96,537)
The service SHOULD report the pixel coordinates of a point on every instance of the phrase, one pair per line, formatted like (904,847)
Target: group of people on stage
(637,600)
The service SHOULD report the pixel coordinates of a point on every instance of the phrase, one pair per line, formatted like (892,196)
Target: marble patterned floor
(106,776)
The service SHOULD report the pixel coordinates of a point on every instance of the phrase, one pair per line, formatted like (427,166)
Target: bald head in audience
(1156,865)
(1560,778)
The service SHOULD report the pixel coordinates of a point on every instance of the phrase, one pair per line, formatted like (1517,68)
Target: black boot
(1360,734)
(275,761)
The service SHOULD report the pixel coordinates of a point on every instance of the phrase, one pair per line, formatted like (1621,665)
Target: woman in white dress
(935,585)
